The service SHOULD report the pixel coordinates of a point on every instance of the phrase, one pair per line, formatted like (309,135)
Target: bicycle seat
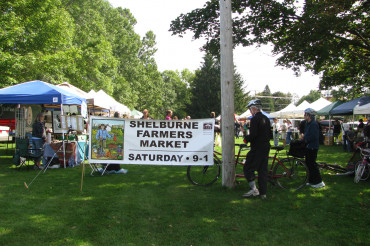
(242,145)
(277,147)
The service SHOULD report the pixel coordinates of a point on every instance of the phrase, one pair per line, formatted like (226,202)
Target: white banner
(151,142)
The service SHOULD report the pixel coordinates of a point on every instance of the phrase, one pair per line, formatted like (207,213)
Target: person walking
(257,157)
(311,139)
(345,128)
(336,131)
(237,128)
(145,115)
(168,115)
(289,134)
(275,132)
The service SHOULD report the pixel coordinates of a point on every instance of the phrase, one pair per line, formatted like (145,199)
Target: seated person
(112,168)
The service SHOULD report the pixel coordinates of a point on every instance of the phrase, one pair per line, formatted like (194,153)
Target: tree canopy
(328,37)
(206,90)
(89,44)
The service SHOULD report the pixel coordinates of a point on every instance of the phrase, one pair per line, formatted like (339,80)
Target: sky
(256,65)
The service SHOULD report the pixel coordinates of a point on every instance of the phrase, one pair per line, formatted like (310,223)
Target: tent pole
(64,149)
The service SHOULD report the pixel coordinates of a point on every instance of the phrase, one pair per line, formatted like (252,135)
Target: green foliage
(267,100)
(206,90)
(281,100)
(329,37)
(311,97)
(35,40)
(87,43)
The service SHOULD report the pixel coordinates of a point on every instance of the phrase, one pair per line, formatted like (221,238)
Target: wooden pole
(83,163)
(227,95)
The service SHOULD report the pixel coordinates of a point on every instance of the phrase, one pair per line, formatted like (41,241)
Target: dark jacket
(311,135)
(259,132)
(302,125)
(38,130)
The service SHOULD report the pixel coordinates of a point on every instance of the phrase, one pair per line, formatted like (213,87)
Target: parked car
(4,134)
(353,124)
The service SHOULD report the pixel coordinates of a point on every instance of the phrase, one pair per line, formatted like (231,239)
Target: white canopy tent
(364,109)
(285,112)
(320,104)
(136,114)
(91,104)
(104,100)
(298,112)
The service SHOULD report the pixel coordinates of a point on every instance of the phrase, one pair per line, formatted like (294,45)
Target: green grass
(157,205)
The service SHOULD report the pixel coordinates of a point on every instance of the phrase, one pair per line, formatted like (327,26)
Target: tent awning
(364,109)
(325,111)
(38,92)
(103,100)
(347,108)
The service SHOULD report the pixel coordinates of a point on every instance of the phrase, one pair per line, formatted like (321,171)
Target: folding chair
(27,149)
(96,167)
(21,152)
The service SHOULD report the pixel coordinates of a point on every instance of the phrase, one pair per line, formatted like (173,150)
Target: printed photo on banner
(106,140)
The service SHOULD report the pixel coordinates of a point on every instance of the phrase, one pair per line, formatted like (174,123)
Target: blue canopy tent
(38,92)
(347,108)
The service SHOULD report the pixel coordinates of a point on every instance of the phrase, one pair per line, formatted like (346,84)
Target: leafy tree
(266,100)
(177,93)
(35,41)
(328,37)
(240,94)
(281,100)
(311,97)
(206,90)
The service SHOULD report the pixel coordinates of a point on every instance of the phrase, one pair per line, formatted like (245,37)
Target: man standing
(257,157)
(102,135)
(311,138)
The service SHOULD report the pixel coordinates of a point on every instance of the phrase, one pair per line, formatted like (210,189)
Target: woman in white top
(275,132)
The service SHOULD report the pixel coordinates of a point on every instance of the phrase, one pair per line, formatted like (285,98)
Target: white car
(4,134)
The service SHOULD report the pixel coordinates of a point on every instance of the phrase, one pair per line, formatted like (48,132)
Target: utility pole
(227,95)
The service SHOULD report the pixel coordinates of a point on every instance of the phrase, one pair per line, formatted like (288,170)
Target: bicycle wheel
(361,172)
(291,173)
(205,175)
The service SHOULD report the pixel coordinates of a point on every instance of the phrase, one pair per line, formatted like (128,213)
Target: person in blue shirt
(311,139)
(102,135)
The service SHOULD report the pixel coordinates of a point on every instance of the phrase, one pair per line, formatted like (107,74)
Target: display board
(64,123)
(151,142)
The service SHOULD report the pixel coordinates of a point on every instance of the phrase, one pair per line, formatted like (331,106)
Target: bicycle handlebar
(364,151)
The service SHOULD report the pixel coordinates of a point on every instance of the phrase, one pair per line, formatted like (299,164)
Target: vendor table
(72,155)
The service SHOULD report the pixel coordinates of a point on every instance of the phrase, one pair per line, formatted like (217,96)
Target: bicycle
(288,173)
(362,167)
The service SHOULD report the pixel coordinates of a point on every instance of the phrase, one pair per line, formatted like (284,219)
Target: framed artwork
(106,142)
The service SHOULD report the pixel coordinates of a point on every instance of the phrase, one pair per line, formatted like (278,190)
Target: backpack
(297,148)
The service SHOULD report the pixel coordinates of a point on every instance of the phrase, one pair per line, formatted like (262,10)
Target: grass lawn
(157,205)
